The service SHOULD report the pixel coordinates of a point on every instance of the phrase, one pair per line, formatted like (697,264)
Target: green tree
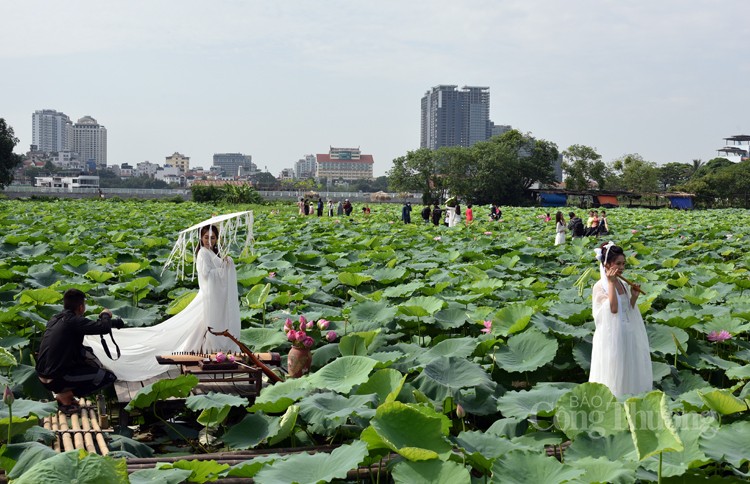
(582,164)
(9,161)
(419,171)
(711,167)
(632,172)
(264,181)
(674,174)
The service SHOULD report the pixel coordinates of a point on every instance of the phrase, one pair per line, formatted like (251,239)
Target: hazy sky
(667,79)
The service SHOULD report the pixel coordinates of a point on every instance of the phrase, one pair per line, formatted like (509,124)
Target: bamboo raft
(84,430)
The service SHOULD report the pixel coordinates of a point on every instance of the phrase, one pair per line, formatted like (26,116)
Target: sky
(666,79)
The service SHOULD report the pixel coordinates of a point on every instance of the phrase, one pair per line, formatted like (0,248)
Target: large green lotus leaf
(326,412)
(99,276)
(43,275)
(522,467)
(615,447)
(17,458)
(257,295)
(540,400)
(604,470)
(250,277)
(214,400)
(723,401)
(482,449)
(571,312)
(382,383)
(200,470)
(739,373)
(19,426)
(7,358)
(699,295)
(39,296)
(730,443)
(343,373)
(76,466)
(125,444)
(31,251)
(450,318)
(690,427)
(403,290)
(511,319)
(179,387)
(412,433)
(651,425)
(388,275)
(421,306)
(682,382)
(662,338)
(251,467)
(485,286)
(313,468)
(127,268)
(286,425)
(181,302)
(509,427)
(356,343)
(433,471)
(277,398)
(370,311)
(458,347)
(251,431)
(445,376)
(526,351)
(324,354)
(134,316)
(24,408)
(546,324)
(262,339)
(162,476)
(353,279)
(590,408)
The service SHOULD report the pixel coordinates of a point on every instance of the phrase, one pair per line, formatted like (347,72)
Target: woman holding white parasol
(216,304)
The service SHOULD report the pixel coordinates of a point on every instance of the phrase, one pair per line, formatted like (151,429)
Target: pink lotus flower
(331,336)
(220,357)
(719,336)
(308,342)
(437,237)
(487,326)
(634,231)
(230,358)
(323,324)
(271,275)
(488,233)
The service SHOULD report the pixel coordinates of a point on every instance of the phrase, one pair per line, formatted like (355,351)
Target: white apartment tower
(51,131)
(90,141)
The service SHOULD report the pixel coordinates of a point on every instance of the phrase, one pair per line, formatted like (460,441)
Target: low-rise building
(347,164)
(146,168)
(68,182)
(178,160)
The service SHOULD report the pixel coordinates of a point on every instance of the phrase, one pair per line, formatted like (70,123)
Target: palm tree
(697,164)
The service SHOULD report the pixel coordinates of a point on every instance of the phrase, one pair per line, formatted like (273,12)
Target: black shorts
(83,381)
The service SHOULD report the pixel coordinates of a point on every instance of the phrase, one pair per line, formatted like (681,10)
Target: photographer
(64,365)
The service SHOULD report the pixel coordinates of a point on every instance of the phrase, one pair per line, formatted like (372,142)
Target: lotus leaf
(522,467)
(353,279)
(370,311)
(251,431)
(651,425)
(662,338)
(312,468)
(277,398)
(615,447)
(691,428)
(723,401)
(343,373)
(730,443)
(590,408)
(445,376)
(161,390)
(526,351)
(163,476)
(434,471)
(326,412)
(382,383)
(604,470)
(421,306)
(511,319)
(76,466)
(540,400)
(415,435)
(482,449)
(286,425)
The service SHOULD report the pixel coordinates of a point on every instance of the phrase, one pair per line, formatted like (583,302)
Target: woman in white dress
(621,357)
(216,305)
(560,229)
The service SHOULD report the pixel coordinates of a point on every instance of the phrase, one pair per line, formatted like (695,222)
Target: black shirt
(62,342)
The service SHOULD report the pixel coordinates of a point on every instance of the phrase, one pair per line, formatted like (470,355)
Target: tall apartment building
(346,164)
(51,131)
(306,167)
(178,161)
(89,140)
(234,164)
(455,117)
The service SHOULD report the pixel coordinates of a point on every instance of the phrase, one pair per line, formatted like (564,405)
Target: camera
(118,323)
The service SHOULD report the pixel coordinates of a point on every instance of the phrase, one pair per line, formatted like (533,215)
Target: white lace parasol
(229,226)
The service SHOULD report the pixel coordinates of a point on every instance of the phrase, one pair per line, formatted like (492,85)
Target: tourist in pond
(559,228)
(620,357)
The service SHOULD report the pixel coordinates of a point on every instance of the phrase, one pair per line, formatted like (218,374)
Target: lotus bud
(301,335)
(291,335)
(309,325)
(288,325)
(302,321)
(308,342)
(230,358)
(331,336)
(220,357)
(460,412)
(323,324)
(8,397)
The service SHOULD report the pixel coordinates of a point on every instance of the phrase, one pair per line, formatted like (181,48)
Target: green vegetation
(463,351)
(8,160)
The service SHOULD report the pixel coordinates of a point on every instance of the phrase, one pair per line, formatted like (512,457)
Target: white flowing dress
(560,234)
(216,305)
(621,356)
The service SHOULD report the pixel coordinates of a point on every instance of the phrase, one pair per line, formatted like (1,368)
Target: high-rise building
(234,164)
(306,167)
(90,141)
(51,131)
(178,161)
(455,117)
(346,164)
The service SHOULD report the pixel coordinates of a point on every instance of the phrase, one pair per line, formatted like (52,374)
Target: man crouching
(64,365)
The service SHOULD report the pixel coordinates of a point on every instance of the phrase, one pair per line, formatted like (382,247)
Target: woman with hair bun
(621,356)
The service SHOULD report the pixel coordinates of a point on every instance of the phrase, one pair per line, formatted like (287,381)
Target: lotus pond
(416,369)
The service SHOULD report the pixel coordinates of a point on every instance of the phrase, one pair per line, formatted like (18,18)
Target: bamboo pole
(101,442)
(77,436)
(87,437)
(66,438)
(56,429)
(632,285)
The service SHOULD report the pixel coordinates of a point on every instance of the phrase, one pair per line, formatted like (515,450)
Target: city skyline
(654,78)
